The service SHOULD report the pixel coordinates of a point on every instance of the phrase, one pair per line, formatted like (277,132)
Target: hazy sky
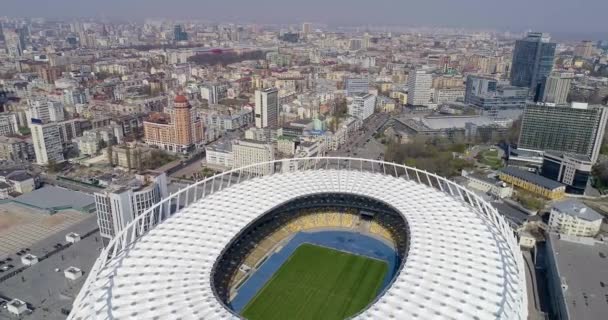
(577,16)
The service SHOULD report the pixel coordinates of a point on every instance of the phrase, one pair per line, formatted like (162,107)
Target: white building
(444,95)
(117,206)
(214,92)
(488,184)
(267,108)
(47,142)
(29,259)
(573,218)
(8,124)
(72,273)
(247,152)
(419,84)
(220,154)
(46,111)
(16,307)
(362,106)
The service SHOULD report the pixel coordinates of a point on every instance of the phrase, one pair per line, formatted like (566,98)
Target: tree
(53,166)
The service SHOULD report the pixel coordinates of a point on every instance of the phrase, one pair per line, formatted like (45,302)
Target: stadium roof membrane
(460,265)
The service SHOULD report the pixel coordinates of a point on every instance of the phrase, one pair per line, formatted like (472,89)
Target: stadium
(312,238)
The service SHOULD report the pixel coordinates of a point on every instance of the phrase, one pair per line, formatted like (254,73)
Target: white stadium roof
(463,262)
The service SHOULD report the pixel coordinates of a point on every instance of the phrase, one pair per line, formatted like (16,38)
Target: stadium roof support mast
(165,208)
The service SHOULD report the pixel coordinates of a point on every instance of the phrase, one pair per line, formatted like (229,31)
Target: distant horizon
(555,35)
(583,19)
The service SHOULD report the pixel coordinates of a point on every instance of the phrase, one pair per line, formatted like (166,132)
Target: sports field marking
(318,283)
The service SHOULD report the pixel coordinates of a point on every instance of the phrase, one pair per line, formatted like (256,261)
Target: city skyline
(516,16)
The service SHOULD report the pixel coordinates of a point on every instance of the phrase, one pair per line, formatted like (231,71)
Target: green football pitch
(318,283)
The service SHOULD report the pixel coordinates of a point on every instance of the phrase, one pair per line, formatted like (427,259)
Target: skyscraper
(306,28)
(267,108)
(577,129)
(179,33)
(532,61)
(556,87)
(419,84)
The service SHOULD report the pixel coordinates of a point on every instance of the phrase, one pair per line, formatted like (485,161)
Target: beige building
(247,152)
(573,218)
(179,130)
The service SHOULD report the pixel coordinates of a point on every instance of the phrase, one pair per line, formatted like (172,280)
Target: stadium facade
(458,257)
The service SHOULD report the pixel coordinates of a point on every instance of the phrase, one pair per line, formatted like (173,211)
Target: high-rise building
(12,44)
(8,124)
(247,152)
(354,86)
(578,128)
(556,87)
(267,108)
(419,84)
(362,106)
(532,61)
(179,33)
(584,49)
(306,28)
(214,92)
(120,204)
(45,111)
(47,142)
(179,130)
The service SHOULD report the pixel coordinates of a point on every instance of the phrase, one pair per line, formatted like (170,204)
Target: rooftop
(532,178)
(582,266)
(577,209)
(53,198)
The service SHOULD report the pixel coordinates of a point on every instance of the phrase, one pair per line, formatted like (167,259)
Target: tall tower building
(182,120)
(556,87)
(584,49)
(577,129)
(532,61)
(13,44)
(180,130)
(267,108)
(179,33)
(419,84)
(47,142)
(306,28)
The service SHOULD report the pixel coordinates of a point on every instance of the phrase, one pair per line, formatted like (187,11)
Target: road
(363,144)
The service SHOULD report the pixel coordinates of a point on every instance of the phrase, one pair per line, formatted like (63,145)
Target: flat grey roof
(532,178)
(577,209)
(51,197)
(583,267)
